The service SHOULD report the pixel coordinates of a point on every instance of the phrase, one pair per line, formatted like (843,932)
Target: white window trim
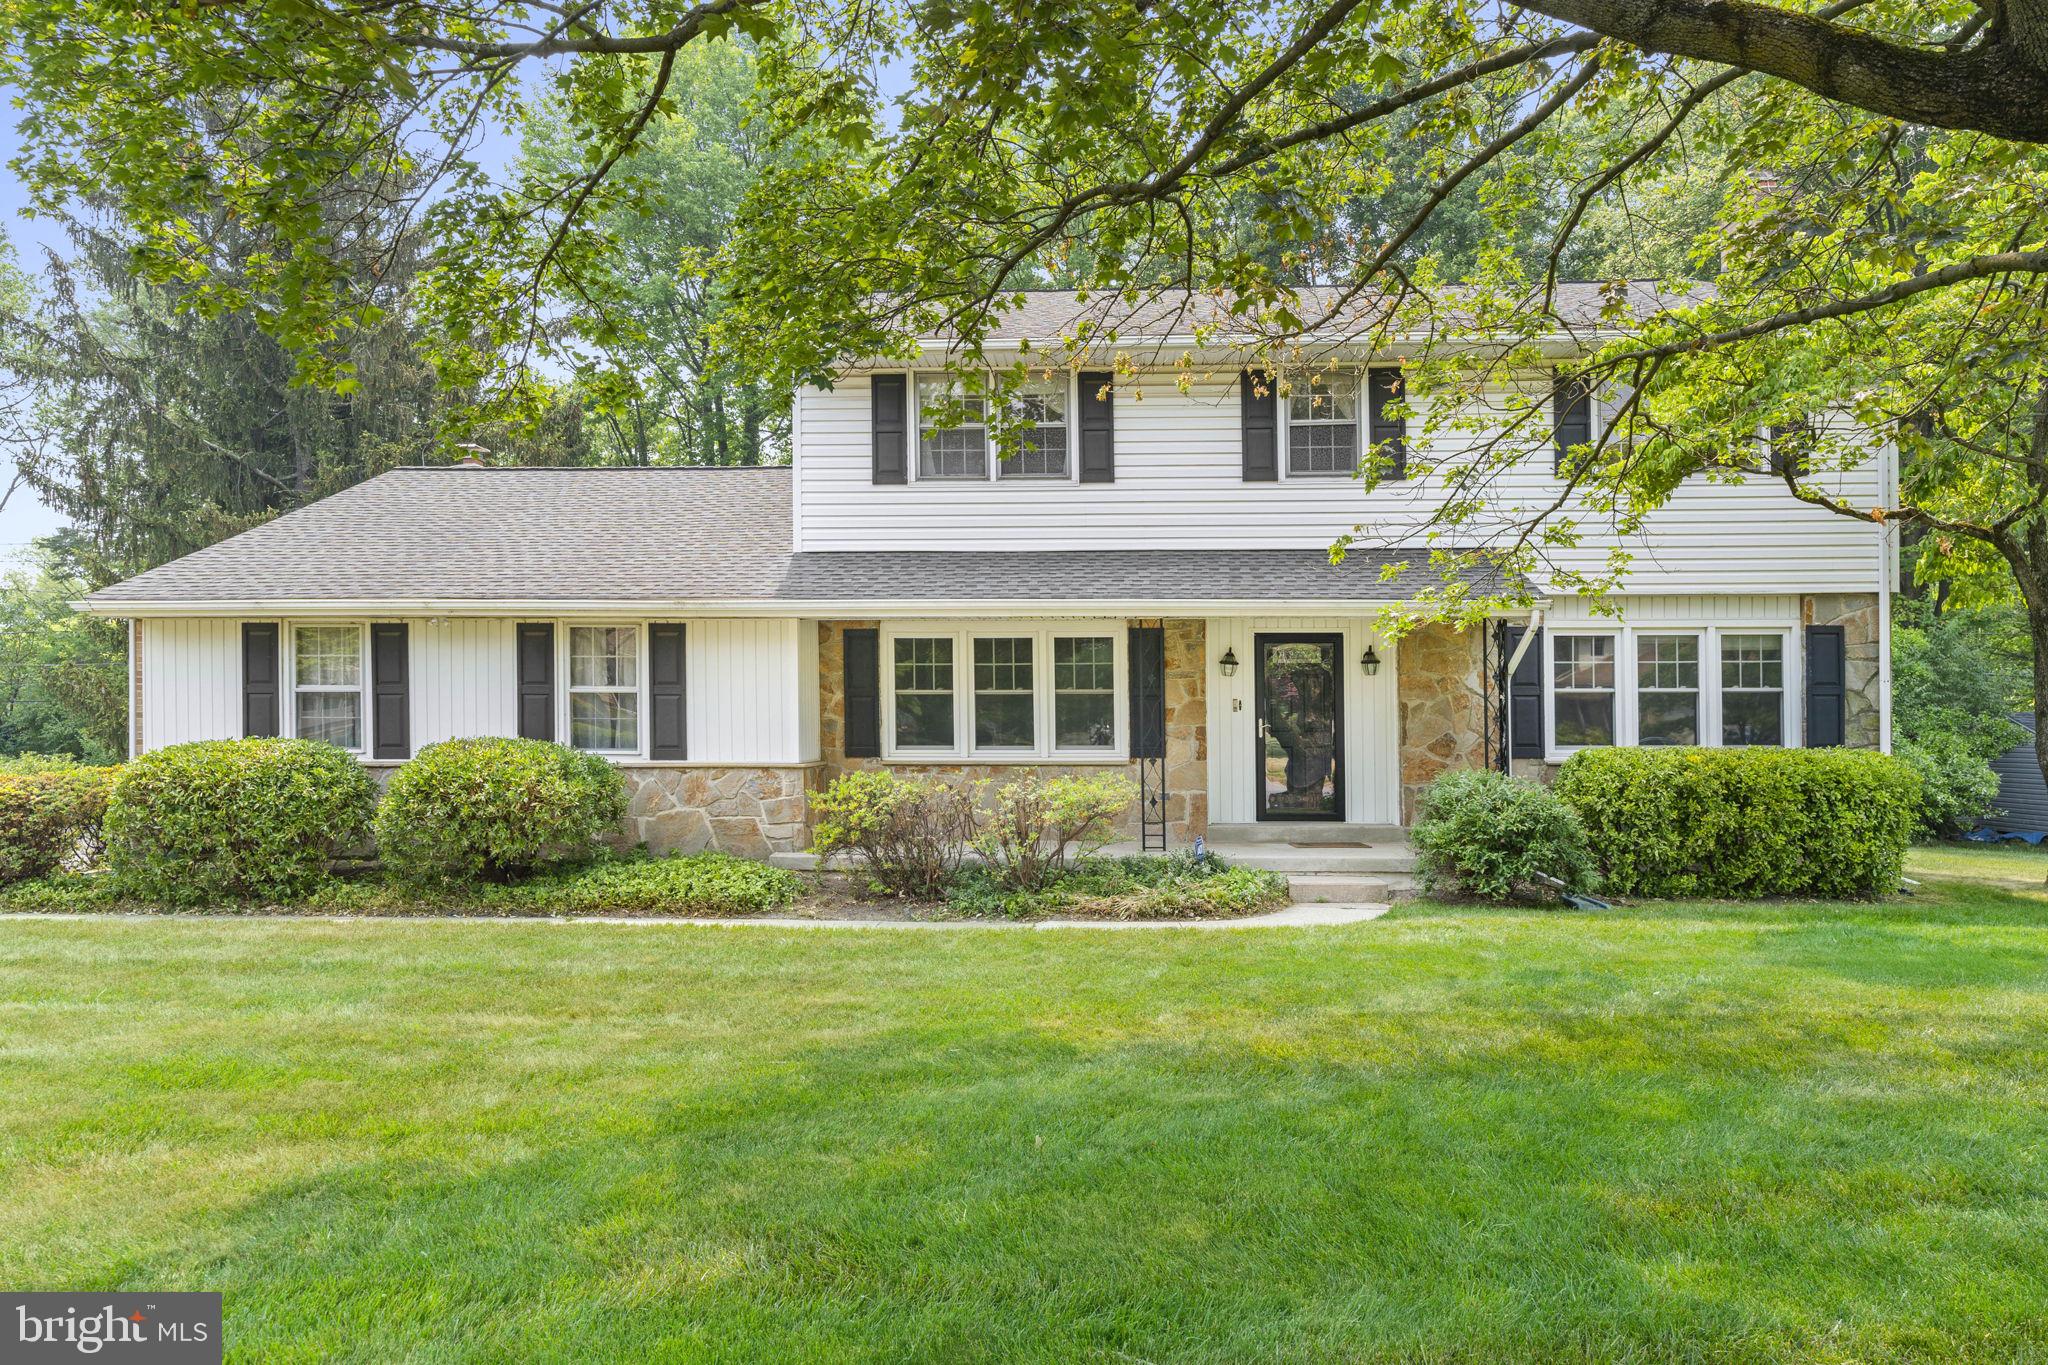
(1361,404)
(992,463)
(1627,721)
(1788,717)
(567,689)
(1698,690)
(1042,634)
(289,723)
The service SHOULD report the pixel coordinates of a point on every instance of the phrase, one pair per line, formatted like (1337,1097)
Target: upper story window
(327,685)
(950,452)
(1571,424)
(1004,693)
(1040,411)
(1322,424)
(604,689)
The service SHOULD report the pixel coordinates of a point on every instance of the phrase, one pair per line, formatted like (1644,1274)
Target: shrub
(1743,823)
(1034,823)
(908,833)
(235,819)
(681,884)
(469,809)
(1176,887)
(22,765)
(1957,786)
(1489,835)
(52,817)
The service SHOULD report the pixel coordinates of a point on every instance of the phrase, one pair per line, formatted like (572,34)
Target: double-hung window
(1322,424)
(922,675)
(1582,690)
(604,689)
(956,451)
(1039,412)
(1753,689)
(327,684)
(1667,689)
(1004,693)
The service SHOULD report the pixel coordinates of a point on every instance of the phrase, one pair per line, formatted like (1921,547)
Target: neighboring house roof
(457,536)
(1049,315)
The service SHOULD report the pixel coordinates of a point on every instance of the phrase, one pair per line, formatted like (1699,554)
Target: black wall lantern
(1228,663)
(1370,662)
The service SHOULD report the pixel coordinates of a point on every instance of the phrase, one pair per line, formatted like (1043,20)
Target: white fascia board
(862,608)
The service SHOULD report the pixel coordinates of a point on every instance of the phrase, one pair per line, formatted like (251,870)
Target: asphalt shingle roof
(463,535)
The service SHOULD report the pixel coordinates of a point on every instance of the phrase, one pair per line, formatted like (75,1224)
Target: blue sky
(24,518)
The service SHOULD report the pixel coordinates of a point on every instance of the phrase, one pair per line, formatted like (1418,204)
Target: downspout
(1528,638)
(1887,571)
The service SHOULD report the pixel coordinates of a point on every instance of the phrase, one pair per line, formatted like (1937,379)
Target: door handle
(1264,733)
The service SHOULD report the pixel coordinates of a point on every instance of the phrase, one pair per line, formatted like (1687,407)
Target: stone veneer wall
(1856,613)
(1187,744)
(1442,698)
(752,812)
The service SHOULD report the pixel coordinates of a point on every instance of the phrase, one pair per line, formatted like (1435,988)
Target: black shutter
(1525,697)
(1098,428)
(1147,653)
(1261,420)
(1383,389)
(668,732)
(390,711)
(259,679)
(1571,418)
(889,403)
(536,680)
(1826,679)
(861,654)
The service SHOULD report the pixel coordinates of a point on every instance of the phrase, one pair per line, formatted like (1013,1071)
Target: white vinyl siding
(751,685)
(1180,485)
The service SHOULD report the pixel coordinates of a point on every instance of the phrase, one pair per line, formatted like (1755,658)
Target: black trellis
(1494,652)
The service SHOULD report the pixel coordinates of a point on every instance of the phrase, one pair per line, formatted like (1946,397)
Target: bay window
(1016,692)
(604,688)
(327,685)
(1667,689)
(1582,688)
(1753,689)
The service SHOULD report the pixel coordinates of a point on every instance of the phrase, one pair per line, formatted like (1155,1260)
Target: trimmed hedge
(1744,823)
(494,809)
(235,819)
(1485,834)
(49,817)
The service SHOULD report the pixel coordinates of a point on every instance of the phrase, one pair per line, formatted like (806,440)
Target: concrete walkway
(1294,916)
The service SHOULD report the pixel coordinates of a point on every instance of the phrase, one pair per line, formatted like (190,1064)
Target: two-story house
(1142,583)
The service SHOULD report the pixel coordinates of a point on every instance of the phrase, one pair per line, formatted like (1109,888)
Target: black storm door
(1300,688)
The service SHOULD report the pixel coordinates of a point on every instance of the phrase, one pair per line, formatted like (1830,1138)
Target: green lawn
(1680,1132)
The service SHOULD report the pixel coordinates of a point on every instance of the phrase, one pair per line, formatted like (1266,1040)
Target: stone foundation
(752,812)
(1187,743)
(1856,613)
(1442,699)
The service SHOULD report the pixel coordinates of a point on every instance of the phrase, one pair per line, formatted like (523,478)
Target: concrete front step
(1389,860)
(1309,833)
(1337,888)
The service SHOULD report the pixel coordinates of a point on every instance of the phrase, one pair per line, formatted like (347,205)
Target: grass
(1673,1132)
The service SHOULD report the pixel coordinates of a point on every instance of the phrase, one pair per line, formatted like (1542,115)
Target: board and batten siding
(1372,737)
(1180,485)
(752,685)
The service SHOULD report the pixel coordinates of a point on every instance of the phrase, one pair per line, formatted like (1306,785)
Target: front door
(1300,698)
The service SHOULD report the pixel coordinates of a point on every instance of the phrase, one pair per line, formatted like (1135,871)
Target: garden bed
(720,886)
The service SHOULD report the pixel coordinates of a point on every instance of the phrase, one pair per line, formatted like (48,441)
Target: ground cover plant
(1763,1132)
(1175,887)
